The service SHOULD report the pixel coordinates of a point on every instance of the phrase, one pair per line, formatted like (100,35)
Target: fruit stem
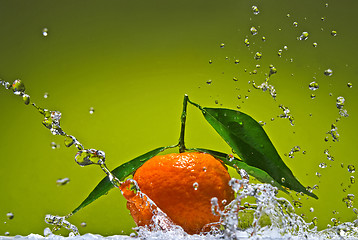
(182,147)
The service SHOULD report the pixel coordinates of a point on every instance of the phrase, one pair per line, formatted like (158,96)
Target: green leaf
(121,173)
(237,164)
(250,142)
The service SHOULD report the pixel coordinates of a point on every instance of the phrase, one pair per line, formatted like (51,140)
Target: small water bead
(334,33)
(279,52)
(235,79)
(258,55)
(340,102)
(253,30)
(352,179)
(313,96)
(328,72)
(247,43)
(18,87)
(350,85)
(304,36)
(54,145)
(313,86)
(62,181)
(222,45)
(45,32)
(351,168)
(322,165)
(311,209)
(318,174)
(195,186)
(46,95)
(7,233)
(295,24)
(283,180)
(255,10)
(263,39)
(91,110)
(9,215)
(210,62)
(26,99)
(315,44)
(59,221)
(209,82)
(83,224)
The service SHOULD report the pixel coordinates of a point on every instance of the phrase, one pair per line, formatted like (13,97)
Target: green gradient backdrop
(133,61)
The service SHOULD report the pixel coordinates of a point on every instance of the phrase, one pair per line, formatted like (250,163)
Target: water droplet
(348,200)
(350,85)
(54,145)
(297,204)
(90,156)
(293,151)
(253,30)
(18,87)
(351,168)
(326,4)
(323,18)
(334,33)
(255,10)
(46,95)
(311,209)
(279,52)
(7,233)
(258,55)
(283,180)
(329,156)
(295,24)
(328,72)
(210,62)
(263,39)
(204,169)
(318,174)
(62,181)
(209,82)
(304,36)
(315,44)
(237,61)
(262,123)
(91,110)
(313,86)
(26,99)
(9,215)
(315,221)
(247,43)
(352,179)
(322,165)
(195,186)
(45,32)
(222,45)
(83,224)
(340,102)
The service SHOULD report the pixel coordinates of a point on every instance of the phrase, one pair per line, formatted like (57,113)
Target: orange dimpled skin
(182,185)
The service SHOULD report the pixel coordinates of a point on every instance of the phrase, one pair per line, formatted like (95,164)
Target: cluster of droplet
(287,114)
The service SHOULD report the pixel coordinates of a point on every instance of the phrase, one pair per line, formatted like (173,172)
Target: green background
(133,61)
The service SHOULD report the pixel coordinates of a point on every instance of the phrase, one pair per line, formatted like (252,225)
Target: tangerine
(182,186)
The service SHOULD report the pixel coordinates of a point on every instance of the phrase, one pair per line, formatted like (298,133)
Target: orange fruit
(182,186)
